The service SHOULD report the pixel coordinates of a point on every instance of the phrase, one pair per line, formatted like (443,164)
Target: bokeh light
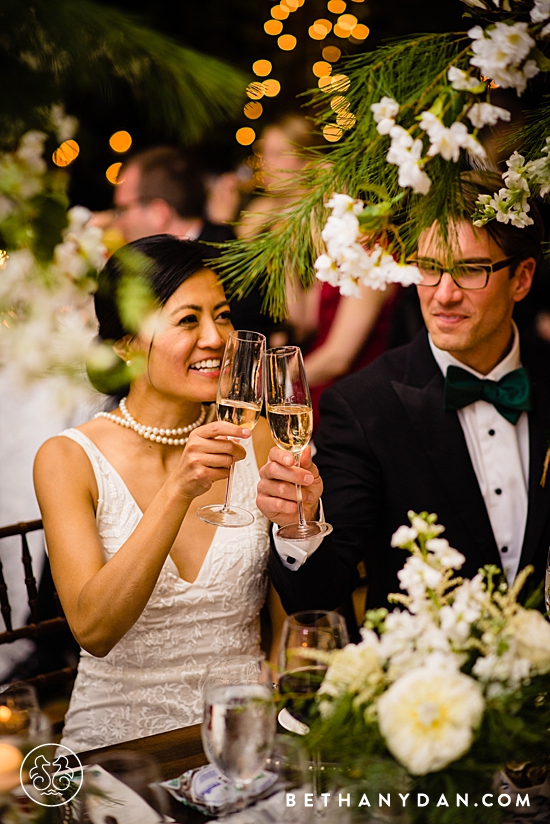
(279,12)
(120,141)
(286,42)
(317,34)
(346,119)
(347,22)
(331,53)
(325,83)
(245,136)
(360,31)
(336,6)
(253,110)
(340,83)
(321,69)
(113,172)
(292,5)
(66,153)
(262,68)
(332,133)
(4,257)
(273,27)
(340,32)
(322,25)
(272,87)
(339,103)
(255,91)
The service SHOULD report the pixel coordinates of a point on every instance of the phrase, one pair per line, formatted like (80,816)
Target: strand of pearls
(172,437)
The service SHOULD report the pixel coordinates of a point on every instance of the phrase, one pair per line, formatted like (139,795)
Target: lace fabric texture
(151,681)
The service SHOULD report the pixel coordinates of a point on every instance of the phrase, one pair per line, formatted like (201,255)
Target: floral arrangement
(448,687)
(409,117)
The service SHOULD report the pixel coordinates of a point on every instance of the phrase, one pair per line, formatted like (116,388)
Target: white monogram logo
(54,781)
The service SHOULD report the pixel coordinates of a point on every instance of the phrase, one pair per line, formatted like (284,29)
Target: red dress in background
(374,345)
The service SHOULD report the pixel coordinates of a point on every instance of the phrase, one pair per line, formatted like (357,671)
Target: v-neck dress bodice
(151,681)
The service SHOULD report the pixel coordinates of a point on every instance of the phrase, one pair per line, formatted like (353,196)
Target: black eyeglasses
(465,275)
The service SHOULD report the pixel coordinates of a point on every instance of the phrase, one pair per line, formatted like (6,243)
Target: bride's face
(185,357)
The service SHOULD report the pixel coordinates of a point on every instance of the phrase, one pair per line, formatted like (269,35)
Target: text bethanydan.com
(421,800)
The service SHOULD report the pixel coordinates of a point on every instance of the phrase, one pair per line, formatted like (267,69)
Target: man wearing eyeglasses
(457,422)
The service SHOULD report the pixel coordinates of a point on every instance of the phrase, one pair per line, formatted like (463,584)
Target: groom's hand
(277,488)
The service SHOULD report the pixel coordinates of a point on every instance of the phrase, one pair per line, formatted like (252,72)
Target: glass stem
(228,489)
(301,519)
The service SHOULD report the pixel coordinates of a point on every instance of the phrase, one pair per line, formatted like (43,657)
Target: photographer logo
(54,781)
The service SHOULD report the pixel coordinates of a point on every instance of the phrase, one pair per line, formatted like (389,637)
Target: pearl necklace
(152,433)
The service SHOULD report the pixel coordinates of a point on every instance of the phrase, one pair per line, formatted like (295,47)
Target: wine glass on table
(238,728)
(290,417)
(301,673)
(239,400)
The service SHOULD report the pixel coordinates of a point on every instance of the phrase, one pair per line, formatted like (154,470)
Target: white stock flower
(484,114)
(417,576)
(428,718)
(463,81)
(499,51)
(403,536)
(540,11)
(384,113)
(507,669)
(448,557)
(353,669)
(532,638)
(342,204)
(327,270)
(339,232)
(410,173)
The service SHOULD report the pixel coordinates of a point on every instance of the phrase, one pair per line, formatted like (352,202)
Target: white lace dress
(150,682)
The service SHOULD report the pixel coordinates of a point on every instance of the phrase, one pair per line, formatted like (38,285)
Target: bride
(151,592)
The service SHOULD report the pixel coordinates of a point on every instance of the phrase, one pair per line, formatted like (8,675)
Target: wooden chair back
(37,627)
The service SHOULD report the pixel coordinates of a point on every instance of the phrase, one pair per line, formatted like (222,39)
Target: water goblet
(239,400)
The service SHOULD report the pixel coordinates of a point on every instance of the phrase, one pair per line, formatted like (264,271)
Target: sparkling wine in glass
(290,417)
(239,400)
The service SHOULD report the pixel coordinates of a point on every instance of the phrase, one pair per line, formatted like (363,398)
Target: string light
(346,120)
(360,32)
(262,68)
(66,153)
(120,141)
(287,42)
(273,27)
(253,110)
(336,6)
(279,12)
(332,133)
(245,136)
(339,103)
(272,87)
(321,69)
(255,91)
(331,53)
(340,83)
(113,172)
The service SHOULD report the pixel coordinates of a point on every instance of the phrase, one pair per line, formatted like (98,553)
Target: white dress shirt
(499,452)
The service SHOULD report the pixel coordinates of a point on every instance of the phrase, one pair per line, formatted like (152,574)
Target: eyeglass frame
(488,267)
(125,207)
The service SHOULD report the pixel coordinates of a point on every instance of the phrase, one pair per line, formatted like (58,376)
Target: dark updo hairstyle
(164,262)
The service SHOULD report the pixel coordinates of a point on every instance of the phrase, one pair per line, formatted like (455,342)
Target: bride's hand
(208,456)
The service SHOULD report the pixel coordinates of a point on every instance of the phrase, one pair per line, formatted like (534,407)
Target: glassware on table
(300,674)
(238,728)
(239,400)
(99,800)
(20,712)
(290,417)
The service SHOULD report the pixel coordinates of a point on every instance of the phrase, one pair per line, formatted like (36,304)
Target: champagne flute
(290,417)
(239,400)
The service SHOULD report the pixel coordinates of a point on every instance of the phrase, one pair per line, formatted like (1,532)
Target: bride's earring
(128,362)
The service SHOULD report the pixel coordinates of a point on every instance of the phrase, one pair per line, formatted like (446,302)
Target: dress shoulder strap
(98,461)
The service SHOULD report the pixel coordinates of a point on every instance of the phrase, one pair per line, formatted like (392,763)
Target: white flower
(540,11)
(327,270)
(340,232)
(353,668)
(448,557)
(532,638)
(498,52)
(417,576)
(428,718)
(463,81)
(342,204)
(386,108)
(64,125)
(507,669)
(484,114)
(410,173)
(31,149)
(403,536)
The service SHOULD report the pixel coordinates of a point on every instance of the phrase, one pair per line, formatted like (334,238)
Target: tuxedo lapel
(443,440)
(539,497)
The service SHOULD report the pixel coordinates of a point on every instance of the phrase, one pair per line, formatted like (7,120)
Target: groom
(418,429)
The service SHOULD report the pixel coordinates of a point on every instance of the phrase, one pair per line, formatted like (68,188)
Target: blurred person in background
(162,191)
(337,334)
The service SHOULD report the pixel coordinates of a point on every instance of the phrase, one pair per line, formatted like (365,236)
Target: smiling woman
(151,592)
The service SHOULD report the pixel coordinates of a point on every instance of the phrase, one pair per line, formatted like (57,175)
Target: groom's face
(473,325)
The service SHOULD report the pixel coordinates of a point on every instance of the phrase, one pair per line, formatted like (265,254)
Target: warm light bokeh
(120,141)
(66,153)
(262,68)
(112,173)
(245,136)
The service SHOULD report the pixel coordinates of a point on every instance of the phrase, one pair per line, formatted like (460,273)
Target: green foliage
(49,50)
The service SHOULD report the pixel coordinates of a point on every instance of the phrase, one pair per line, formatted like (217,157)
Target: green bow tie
(510,396)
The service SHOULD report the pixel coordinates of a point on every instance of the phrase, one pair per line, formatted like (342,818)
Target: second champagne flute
(290,417)
(239,400)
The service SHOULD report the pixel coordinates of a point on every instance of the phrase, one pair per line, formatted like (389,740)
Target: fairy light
(66,153)
(279,12)
(112,173)
(245,136)
(273,27)
(120,141)
(253,110)
(331,53)
(340,83)
(346,119)
(272,87)
(339,103)
(255,91)
(332,133)
(287,42)
(360,32)
(262,68)
(321,68)
(336,6)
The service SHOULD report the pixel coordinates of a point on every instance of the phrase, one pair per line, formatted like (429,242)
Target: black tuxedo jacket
(385,446)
